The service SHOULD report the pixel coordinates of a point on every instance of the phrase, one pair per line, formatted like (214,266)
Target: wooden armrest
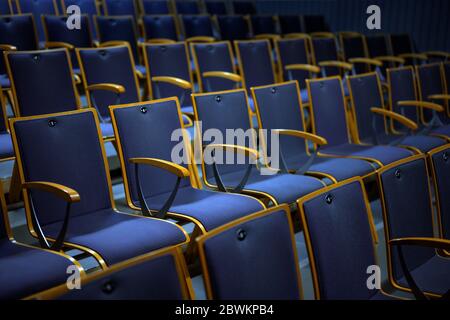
(302,134)
(201,39)
(390,59)
(58,44)
(222,74)
(305,67)
(436,243)
(175,81)
(7,47)
(439,97)
(421,104)
(66,193)
(171,167)
(322,34)
(296,35)
(238,149)
(270,36)
(397,117)
(337,64)
(160,41)
(439,54)
(413,56)
(112,43)
(117,88)
(373,62)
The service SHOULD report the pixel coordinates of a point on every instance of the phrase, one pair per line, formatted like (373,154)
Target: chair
(78,160)
(214,65)
(339,261)
(160,28)
(155,7)
(229,110)
(402,46)
(6,7)
(315,23)
(410,243)
(120,8)
(290,24)
(329,119)
(187,7)
(244,7)
(18,280)
(264,25)
(38,8)
(159,275)
(197,27)
(378,49)
(6,147)
(88,7)
(280,112)
(157,121)
(233,27)
(214,7)
(372,118)
(234,258)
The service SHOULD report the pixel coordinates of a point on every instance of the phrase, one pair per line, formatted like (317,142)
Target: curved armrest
(322,34)
(7,47)
(390,59)
(160,41)
(116,88)
(373,62)
(396,116)
(302,134)
(435,243)
(270,36)
(421,104)
(249,152)
(296,35)
(63,192)
(112,43)
(439,97)
(201,39)
(304,67)
(58,44)
(222,74)
(437,54)
(418,56)
(174,81)
(337,64)
(171,167)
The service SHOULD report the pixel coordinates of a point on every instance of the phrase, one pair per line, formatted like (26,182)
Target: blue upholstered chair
(38,8)
(378,48)
(236,257)
(67,149)
(197,26)
(26,270)
(159,275)
(372,119)
(120,8)
(187,7)
(214,65)
(264,25)
(413,264)
(244,7)
(315,23)
(290,24)
(403,47)
(233,27)
(88,7)
(329,120)
(155,7)
(214,7)
(6,147)
(229,110)
(339,233)
(150,137)
(279,111)
(160,28)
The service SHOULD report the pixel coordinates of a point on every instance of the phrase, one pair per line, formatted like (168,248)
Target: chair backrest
(216,7)
(236,257)
(366,93)
(407,210)
(42,81)
(217,56)
(291,24)
(244,7)
(6,7)
(325,49)
(187,7)
(263,24)
(65,148)
(315,23)
(354,45)
(401,43)
(4,221)
(447,76)
(339,261)
(160,27)
(233,27)
(118,28)
(156,121)
(120,8)
(149,7)
(38,8)
(255,62)
(328,112)
(109,65)
(440,163)
(293,51)
(197,25)
(377,45)
(167,60)
(88,7)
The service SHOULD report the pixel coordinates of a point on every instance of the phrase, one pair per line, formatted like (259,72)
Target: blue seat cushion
(116,236)
(107,129)
(142,69)
(423,143)
(384,154)
(6,147)
(304,96)
(4,81)
(211,208)
(25,271)
(443,131)
(187,109)
(251,104)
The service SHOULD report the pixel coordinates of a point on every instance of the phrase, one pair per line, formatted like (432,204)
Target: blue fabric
(88,7)
(263,24)
(6,147)
(160,27)
(441,167)
(431,82)
(4,81)
(423,143)
(187,7)
(355,47)
(244,7)
(294,51)
(155,7)
(38,8)
(233,27)
(216,7)
(445,130)
(120,7)
(142,69)
(26,271)
(315,23)
(197,25)
(290,23)
(4,7)
(107,129)
(304,96)
(324,50)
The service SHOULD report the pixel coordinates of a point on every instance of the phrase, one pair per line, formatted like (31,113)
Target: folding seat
(89,7)
(214,65)
(120,8)
(226,112)
(244,7)
(187,7)
(233,27)
(280,111)
(25,270)
(413,264)
(216,7)
(402,46)
(315,23)
(236,257)
(159,275)
(6,7)
(329,119)
(338,226)
(160,28)
(156,121)
(155,7)
(264,25)
(372,118)
(290,24)
(6,147)
(78,160)
(38,8)
(197,27)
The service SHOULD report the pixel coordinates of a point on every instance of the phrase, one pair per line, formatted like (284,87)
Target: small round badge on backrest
(398,173)
(210,47)
(163,48)
(102,52)
(108,287)
(52,123)
(329,198)
(218,98)
(144,110)
(445,156)
(273,90)
(321,84)
(36,58)
(241,234)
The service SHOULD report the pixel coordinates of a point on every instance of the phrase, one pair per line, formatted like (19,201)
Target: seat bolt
(241,234)
(51,123)
(144,109)
(218,98)
(445,156)
(398,173)
(273,90)
(108,287)
(329,198)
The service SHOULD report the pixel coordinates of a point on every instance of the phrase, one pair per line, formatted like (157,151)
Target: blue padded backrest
(430,82)
(233,27)
(155,6)
(325,49)
(43,81)
(216,7)
(38,8)
(110,65)
(168,60)
(244,7)
(327,100)
(118,29)
(68,153)
(447,75)
(314,23)
(401,43)
(3,128)
(342,256)
(408,210)
(377,45)
(87,7)
(263,24)
(187,7)
(262,265)
(401,84)
(353,47)
(366,94)
(214,57)
(160,27)
(120,7)
(156,124)
(3,213)
(197,25)
(5,7)
(279,108)
(294,51)
(441,168)
(290,24)
(256,60)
